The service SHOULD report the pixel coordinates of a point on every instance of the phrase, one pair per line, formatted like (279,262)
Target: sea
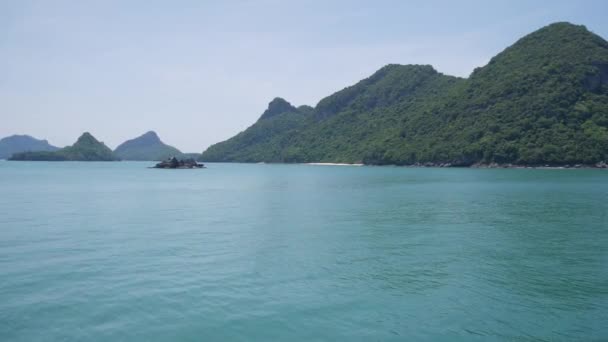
(116,251)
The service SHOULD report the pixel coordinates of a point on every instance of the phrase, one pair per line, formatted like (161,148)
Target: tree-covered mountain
(543,100)
(146,147)
(86,148)
(23,143)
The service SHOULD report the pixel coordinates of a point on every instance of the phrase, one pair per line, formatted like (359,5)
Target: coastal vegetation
(542,101)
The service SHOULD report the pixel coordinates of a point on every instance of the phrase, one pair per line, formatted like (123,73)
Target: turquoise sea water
(119,252)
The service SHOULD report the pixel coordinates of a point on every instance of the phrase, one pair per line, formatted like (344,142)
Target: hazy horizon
(199,73)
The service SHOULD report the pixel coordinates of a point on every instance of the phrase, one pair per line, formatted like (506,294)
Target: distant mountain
(543,100)
(146,147)
(23,143)
(86,148)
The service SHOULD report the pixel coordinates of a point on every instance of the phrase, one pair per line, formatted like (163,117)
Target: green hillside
(544,100)
(267,139)
(86,148)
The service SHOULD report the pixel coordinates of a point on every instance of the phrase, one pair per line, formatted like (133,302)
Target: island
(542,102)
(174,163)
(86,148)
(23,143)
(146,147)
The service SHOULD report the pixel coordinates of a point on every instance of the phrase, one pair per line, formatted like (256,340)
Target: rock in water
(174,163)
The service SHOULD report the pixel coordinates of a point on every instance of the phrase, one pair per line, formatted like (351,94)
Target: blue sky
(198,72)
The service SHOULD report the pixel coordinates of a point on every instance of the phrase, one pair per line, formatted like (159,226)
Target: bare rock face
(597,80)
(601,165)
(174,163)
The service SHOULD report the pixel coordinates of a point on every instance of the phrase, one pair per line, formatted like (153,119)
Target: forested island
(542,101)
(86,148)
(22,143)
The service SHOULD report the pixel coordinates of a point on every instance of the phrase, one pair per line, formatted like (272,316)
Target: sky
(198,72)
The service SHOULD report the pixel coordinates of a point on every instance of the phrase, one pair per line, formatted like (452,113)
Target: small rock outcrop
(174,163)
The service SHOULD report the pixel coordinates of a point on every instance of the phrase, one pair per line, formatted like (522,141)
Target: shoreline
(335,164)
(600,165)
(543,167)
(503,166)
